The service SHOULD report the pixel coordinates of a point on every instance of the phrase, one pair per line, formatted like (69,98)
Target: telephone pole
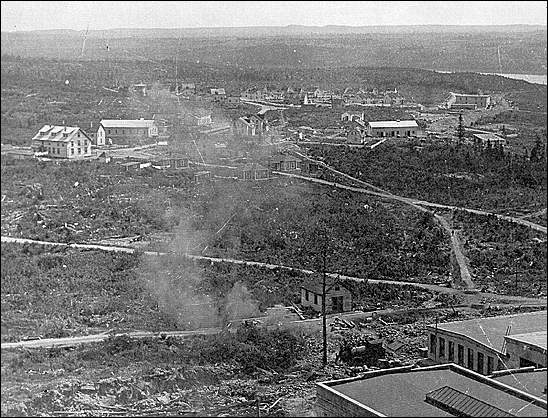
(324,317)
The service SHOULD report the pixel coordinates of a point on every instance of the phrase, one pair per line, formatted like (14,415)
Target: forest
(462,175)
(507,51)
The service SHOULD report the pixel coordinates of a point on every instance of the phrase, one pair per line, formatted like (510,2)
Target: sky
(78,15)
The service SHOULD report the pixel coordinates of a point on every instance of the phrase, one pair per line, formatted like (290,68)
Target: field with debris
(506,258)
(63,292)
(243,373)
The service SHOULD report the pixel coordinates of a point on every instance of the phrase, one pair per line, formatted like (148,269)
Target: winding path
(456,245)
(270,266)
(387,194)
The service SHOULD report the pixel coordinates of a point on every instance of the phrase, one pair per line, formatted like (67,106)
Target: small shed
(253,171)
(202,176)
(338,297)
(104,157)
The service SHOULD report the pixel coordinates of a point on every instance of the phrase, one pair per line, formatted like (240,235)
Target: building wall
(499,362)
(329,404)
(383,132)
(519,350)
(101,136)
(58,149)
(315,299)
(130,132)
(479,101)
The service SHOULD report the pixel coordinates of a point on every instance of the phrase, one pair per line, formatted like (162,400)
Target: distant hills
(515,49)
(290,30)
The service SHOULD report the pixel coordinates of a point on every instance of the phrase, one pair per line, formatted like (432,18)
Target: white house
(62,142)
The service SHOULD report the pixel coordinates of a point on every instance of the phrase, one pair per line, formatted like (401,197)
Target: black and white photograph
(273,208)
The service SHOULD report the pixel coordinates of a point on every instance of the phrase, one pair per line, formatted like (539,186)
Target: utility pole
(324,317)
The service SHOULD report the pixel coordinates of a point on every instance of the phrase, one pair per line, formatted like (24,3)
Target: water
(530,78)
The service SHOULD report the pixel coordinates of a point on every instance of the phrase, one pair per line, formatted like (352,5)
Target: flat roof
(533,382)
(491,331)
(488,137)
(403,392)
(537,339)
(470,95)
(394,124)
(127,123)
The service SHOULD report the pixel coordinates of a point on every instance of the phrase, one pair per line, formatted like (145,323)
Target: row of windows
(123,131)
(394,133)
(460,355)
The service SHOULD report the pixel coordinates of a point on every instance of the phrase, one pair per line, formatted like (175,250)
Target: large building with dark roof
(489,344)
(435,391)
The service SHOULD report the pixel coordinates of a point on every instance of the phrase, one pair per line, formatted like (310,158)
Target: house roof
(394,124)
(530,381)
(463,404)
(245,120)
(253,166)
(402,392)
(58,133)
(281,158)
(127,123)
(536,339)
(491,331)
(317,287)
(470,95)
(489,137)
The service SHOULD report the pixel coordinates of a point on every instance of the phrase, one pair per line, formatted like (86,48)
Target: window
(79,150)
(480,363)
(337,287)
(306,296)
(433,344)
(72,151)
(451,351)
(471,359)
(523,362)
(460,355)
(500,365)
(315,299)
(442,347)
(490,364)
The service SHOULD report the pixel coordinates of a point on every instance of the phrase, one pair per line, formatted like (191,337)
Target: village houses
(62,142)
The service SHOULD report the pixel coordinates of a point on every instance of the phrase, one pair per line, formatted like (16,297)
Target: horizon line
(282,26)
